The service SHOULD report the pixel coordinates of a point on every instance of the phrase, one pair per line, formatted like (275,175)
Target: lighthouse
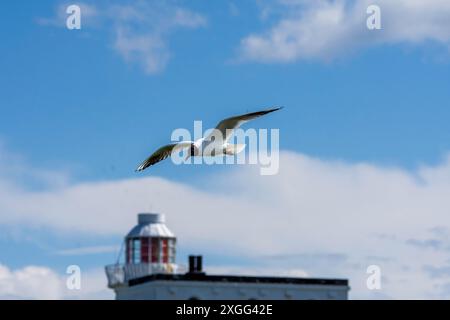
(150,248)
(149,272)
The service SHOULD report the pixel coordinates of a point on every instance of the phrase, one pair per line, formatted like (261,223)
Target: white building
(150,272)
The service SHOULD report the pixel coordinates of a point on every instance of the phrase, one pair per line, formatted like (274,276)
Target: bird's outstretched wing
(163,153)
(226,126)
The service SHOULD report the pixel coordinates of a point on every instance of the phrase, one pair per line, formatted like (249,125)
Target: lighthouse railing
(115,274)
(120,274)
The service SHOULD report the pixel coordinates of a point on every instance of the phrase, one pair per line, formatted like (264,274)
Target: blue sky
(72,104)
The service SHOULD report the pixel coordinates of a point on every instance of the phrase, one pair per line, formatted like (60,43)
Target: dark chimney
(195,264)
(199,263)
(191,264)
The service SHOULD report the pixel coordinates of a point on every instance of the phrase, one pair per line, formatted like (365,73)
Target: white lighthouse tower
(149,249)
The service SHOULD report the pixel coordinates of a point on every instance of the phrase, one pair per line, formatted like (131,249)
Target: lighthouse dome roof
(151,225)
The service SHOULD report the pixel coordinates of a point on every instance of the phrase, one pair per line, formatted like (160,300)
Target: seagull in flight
(215,144)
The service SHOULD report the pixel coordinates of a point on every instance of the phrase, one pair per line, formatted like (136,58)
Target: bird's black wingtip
(275,108)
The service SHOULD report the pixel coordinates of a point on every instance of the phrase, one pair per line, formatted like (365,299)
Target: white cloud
(327,29)
(37,282)
(88,250)
(233,9)
(148,50)
(31,282)
(141,30)
(328,218)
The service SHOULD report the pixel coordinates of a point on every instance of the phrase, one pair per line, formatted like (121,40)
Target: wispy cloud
(88,250)
(427,243)
(31,282)
(438,272)
(439,239)
(141,30)
(328,29)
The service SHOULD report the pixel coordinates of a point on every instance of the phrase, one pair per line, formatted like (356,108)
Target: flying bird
(214,144)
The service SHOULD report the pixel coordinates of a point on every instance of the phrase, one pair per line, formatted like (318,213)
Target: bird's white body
(215,144)
(209,148)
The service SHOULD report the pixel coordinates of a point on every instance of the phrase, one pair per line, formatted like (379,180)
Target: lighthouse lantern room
(149,249)
(150,241)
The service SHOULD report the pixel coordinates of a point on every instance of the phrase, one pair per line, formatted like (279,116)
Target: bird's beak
(187,157)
